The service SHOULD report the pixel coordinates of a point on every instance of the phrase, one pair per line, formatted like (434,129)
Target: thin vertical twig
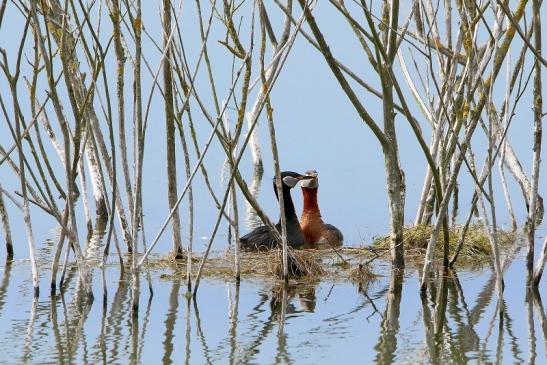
(275,157)
(6,230)
(170,128)
(531,279)
(12,80)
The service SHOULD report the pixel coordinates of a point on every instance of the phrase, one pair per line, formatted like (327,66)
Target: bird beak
(312,173)
(306,177)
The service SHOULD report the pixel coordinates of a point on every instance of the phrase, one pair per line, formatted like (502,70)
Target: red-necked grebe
(261,238)
(315,230)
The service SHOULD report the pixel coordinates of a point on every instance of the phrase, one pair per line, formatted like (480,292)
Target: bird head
(312,182)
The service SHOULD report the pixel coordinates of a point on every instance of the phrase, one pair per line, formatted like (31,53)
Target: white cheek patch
(312,184)
(290,181)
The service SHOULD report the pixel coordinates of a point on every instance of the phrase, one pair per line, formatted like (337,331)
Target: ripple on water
(456,321)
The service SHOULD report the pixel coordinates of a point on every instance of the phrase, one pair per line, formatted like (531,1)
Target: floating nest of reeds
(476,248)
(356,264)
(307,264)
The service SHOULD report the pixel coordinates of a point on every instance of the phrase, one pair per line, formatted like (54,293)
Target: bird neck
(310,201)
(288,204)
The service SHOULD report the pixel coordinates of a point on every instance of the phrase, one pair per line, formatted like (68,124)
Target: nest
(305,265)
(476,248)
(300,264)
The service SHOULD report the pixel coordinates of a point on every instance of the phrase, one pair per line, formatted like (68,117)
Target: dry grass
(476,248)
(342,263)
(301,263)
(308,265)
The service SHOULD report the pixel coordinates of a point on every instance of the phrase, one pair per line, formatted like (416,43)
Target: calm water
(265,322)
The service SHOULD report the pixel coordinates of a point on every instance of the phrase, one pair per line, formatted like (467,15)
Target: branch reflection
(387,342)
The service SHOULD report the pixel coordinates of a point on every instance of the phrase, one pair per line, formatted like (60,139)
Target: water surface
(263,321)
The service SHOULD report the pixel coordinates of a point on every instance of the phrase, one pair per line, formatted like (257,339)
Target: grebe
(261,238)
(315,230)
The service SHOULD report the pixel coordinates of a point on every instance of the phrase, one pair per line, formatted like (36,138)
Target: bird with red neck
(315,230)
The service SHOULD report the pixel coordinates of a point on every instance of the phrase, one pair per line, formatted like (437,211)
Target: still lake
(263,322)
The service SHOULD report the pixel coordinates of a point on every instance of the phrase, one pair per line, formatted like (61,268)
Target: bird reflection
(284,299)
(297,298)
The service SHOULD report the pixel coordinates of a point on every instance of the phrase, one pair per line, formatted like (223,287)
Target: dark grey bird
(261,238)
